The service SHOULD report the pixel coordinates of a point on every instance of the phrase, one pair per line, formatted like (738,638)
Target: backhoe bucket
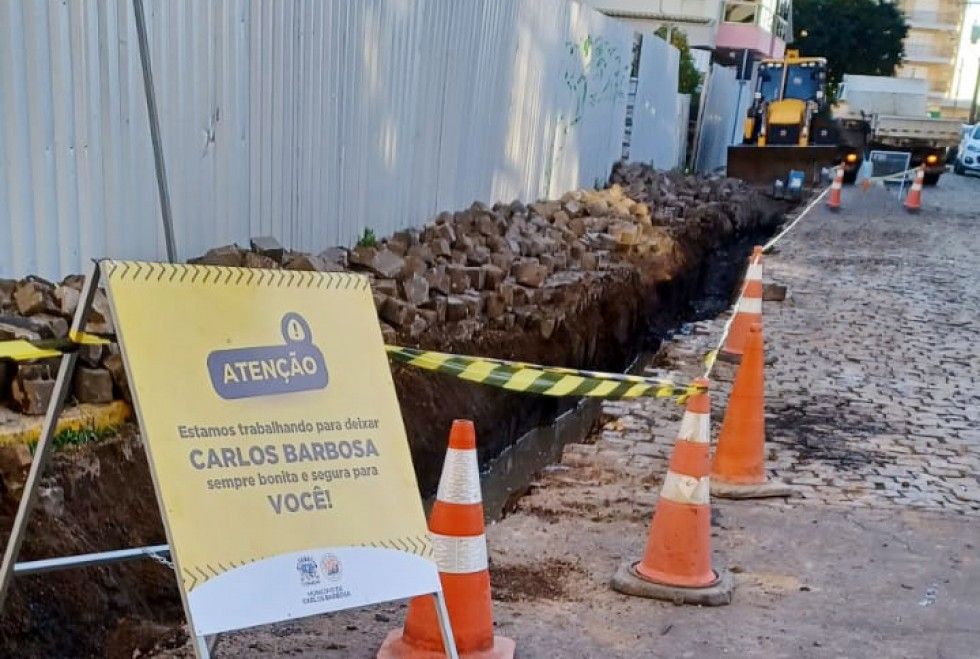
(761,165)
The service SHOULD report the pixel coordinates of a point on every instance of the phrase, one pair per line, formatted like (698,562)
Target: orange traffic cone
(749,309)
(676,564)
(738,471)
(913,200)
(456,526)
(833,201)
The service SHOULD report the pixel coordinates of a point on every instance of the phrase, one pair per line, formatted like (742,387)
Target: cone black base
(629,582)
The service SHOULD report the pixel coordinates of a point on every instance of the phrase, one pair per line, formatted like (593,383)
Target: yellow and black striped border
(180,273)
(196,575)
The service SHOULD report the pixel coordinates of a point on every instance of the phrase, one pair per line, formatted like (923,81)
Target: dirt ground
(874,557)
(809,583)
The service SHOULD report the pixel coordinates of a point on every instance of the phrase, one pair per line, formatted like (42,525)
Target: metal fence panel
(683,122)
(306,120)
(717,116)
(656,118)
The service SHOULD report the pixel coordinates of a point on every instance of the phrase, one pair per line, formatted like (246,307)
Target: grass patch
(367,239)
(75,437)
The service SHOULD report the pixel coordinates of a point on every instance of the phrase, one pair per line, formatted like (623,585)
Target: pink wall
(737,35)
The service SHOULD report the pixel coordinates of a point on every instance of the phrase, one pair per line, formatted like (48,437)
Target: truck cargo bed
(907,131)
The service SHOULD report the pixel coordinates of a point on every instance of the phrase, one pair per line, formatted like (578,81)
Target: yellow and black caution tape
(711,357)
(514,376)
(543,380)
(22,350)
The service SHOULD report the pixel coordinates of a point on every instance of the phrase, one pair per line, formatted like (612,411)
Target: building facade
(726,28)
(760,26)
(932,48)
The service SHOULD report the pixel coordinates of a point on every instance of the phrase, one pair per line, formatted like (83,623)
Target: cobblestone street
(873,395)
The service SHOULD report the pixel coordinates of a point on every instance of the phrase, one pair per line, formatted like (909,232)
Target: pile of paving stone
(501,267)
(691,207)
(505,266)
(509,268)
(38,310)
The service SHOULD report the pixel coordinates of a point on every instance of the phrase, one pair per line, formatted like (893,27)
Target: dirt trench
(96,498)
(106,501)
(631,312)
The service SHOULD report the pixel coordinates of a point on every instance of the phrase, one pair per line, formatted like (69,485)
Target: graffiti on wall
(596,73)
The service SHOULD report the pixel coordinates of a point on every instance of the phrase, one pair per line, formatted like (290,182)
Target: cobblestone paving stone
(872,398)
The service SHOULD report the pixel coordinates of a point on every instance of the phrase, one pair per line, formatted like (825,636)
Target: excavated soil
(551,579)
(95,498)
(108,501)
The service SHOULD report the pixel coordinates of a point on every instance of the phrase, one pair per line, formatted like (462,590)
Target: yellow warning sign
(275,439)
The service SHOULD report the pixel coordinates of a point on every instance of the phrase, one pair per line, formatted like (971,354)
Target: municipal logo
(331,567)
(308,574)
(296,365)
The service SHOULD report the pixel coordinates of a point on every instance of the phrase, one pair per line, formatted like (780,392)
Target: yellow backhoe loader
(788,126)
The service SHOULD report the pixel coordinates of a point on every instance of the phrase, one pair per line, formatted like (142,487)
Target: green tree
(856,36)
(689,78)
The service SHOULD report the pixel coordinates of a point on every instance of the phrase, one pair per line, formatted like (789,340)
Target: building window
(741,11)
(771,15)
(783,24)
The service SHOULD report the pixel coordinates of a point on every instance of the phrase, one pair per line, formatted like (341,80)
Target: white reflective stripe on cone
(685,489)
(695,427)
(754,272)
(750,304)
(460,479)
(460,554)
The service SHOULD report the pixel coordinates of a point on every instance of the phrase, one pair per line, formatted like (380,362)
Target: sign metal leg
(445,627)
(202,646)
(66,370)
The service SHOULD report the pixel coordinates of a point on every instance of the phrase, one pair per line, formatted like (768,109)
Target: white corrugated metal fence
(719,111)
(305,120)
(657,117)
